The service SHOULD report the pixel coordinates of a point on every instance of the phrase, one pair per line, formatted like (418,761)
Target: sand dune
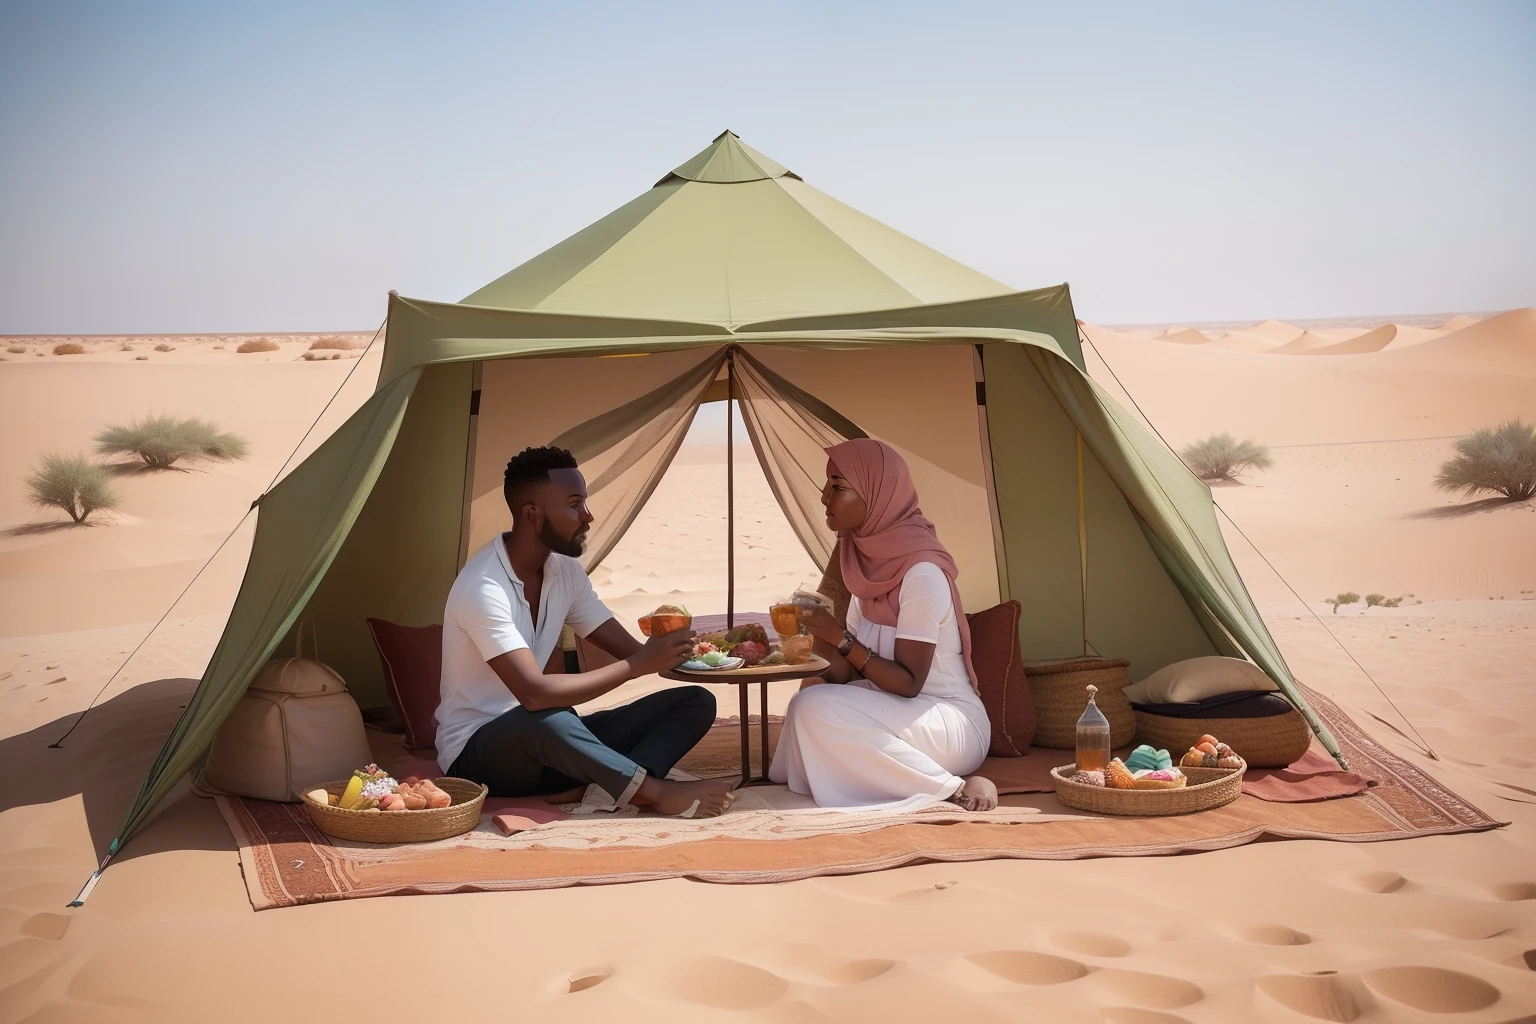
(1498,345)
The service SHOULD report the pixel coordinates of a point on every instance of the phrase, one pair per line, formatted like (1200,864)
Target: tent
(1046,490)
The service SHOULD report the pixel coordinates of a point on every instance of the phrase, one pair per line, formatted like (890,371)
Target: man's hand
(820,624)
(662,652)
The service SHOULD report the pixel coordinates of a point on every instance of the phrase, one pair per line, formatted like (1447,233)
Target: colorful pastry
(1118,776)
(1087,778)
(1145,756)
(1192,759)
(1163,778)
(1230,761)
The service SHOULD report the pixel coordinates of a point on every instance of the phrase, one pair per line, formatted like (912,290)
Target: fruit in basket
(319,796)
(1118,776)
(1230,761)
(349,796)
(750,651)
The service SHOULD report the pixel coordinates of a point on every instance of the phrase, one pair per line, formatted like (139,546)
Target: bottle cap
(1092,690)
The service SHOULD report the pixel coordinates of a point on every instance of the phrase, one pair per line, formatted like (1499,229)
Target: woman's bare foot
(978,794)
(664,796)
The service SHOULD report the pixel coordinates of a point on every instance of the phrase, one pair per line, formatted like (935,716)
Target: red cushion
(1000,674)
(413,669)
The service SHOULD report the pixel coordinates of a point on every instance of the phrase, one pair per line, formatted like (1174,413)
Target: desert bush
(162,441)
(1372,600)
(1501,459)
(1222,456)
(1392,602)
(72,483)
(69,348)
(219,348)
(258,345)
(165,346)
(1348,597)
(332,341)
(16,350)
(125,347)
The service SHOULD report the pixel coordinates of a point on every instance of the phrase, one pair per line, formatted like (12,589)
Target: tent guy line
(58,743)
(1423,743)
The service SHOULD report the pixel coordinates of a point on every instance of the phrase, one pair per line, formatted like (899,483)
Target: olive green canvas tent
(1046,490)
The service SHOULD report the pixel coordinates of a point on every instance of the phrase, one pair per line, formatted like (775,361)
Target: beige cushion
(295,728)
(1199,678)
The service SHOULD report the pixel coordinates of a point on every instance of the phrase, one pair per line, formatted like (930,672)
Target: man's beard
(571,546)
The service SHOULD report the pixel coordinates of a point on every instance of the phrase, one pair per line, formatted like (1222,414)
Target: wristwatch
(847,645)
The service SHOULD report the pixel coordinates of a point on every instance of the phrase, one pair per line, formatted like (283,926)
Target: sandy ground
(1433,929)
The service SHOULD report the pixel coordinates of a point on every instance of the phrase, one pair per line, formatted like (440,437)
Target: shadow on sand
(1469,508)
(104,761)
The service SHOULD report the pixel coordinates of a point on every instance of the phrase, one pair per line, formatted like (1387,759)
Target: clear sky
(280,166)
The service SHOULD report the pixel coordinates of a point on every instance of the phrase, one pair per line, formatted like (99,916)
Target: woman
(895,719)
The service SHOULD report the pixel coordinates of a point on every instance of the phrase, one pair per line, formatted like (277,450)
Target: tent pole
(730,492)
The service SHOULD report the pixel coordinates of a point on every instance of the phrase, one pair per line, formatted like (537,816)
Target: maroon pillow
(413,668)
(1000,674)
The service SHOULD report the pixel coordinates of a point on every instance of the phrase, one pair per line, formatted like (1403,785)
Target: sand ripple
(1027,967)
(1322,995)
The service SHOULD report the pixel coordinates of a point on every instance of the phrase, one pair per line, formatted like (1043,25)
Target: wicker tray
(1207,788)
(401,826)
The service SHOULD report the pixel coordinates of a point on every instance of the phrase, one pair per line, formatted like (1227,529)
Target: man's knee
(554,723)
(696,703)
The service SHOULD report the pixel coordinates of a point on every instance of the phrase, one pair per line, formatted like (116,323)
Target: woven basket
(1272,742)
(401,826)
(1058,689)
(1207,788)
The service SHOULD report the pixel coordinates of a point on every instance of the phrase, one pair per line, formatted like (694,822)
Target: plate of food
(713,661)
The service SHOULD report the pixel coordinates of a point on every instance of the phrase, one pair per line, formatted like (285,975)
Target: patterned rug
(772,836)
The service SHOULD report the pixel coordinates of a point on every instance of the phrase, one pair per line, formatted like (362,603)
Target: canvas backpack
(296,727)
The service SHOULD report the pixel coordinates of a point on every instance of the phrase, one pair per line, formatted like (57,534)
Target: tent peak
(728,161)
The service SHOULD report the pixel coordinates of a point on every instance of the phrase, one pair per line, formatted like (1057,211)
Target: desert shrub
(1372,600)
(69,348)
(162,441)
(165,346)
(1392,602)
(332,341)
(125,347)
(72,483)
(219,348)
(16,350)
(1501,459)
(258,345)
(1222,456)
(1348,597)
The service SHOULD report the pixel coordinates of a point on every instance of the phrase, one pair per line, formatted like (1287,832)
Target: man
(505,719)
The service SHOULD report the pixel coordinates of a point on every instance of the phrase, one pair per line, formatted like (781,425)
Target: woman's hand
(820,624)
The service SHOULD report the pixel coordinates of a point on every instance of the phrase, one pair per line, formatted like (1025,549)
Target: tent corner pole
(730,492)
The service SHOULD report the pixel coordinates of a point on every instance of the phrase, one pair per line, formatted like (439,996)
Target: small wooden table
(744,678)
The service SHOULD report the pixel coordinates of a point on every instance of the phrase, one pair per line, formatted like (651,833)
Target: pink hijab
(895,535)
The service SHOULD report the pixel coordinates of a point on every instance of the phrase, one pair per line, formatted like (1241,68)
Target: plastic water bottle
(1092,736)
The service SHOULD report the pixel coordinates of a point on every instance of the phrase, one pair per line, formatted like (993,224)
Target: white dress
(856,746)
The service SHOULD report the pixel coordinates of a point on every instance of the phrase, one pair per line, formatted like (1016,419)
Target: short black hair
(529,467)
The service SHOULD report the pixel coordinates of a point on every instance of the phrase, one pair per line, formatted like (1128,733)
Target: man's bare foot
(667,797)
(978,794)
(565,796)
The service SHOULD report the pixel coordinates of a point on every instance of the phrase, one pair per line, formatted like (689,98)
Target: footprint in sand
(1274,935)
(720,983)
(1432,989)
(1136,1015)
(45,926)
(1092,943)
(1321,995)
(1026,967)
(1381,882)
(1155,990)
(580,981)
(1512,891)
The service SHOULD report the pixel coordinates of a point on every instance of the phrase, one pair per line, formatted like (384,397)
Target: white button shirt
(487,615)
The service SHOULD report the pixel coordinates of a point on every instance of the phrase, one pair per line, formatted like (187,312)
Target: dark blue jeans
(530,753)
